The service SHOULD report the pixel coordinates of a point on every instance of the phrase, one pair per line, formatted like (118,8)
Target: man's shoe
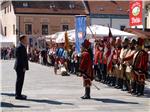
(21,97)
(85,97)
(140,94)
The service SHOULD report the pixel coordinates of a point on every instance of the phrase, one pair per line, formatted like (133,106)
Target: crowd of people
(56,56)
(122,64)
(7,53)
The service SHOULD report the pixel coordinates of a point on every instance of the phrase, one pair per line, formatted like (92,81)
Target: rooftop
(109,7)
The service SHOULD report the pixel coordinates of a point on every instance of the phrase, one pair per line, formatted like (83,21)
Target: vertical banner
(80,31)
(66,41)
(135,12)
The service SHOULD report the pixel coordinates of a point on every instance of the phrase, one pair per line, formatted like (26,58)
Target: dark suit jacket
(21,61)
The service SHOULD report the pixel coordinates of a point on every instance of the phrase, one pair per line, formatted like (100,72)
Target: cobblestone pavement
(54,93)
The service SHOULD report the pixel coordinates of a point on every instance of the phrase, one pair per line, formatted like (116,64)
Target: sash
(110,56)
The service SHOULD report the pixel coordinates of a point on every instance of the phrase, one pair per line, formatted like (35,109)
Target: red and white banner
(135,12)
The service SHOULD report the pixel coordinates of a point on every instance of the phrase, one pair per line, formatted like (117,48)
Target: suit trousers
(19,82)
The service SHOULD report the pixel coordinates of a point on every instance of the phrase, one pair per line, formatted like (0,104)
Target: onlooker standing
(21,65)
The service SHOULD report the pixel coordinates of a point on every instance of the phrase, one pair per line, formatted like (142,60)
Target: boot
(129,86)
(87,93)
(119,84)
(125,86)
(116,83)
(108,80)
(133,87)
(138,89)
(111,81)
(141,90)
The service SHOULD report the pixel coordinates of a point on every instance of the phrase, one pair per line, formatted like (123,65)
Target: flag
(110,36)
(135,12)
(80,28)
(66,41)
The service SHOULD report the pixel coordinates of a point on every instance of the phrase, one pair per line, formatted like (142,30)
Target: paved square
(54,93)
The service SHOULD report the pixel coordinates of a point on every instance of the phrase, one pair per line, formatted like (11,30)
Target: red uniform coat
(140,65)
(86,68)
(96,56)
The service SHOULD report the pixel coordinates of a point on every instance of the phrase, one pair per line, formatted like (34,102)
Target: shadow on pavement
(147,93)
(8,94)
(105,100)
(9,105)
(48,101)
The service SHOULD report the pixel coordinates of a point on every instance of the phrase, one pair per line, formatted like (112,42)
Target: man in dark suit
(21,65)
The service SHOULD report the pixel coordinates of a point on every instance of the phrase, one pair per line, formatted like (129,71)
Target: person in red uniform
(111,48)
(128,62)
(103,60)
(100,62)
(140,68)
(96,59)
(115,57)
(86,68)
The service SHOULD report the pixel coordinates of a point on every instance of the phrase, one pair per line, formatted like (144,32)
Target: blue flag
(80,32)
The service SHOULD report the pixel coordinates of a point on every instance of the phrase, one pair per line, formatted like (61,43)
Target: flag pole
(91,31)
(143,11)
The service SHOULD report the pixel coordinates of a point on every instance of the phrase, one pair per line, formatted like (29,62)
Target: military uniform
(109,65)
(128,62)
(96,62)
(115,61)
(86,69)
(139,69)
(122,66)
(115,68)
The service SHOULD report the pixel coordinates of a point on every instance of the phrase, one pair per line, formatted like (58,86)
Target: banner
(135,13)
(66,41)
(80,32)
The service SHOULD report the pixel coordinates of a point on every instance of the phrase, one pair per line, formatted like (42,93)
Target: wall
(148,18)
(8,20)
(116,23)
(100,21)
(54,22)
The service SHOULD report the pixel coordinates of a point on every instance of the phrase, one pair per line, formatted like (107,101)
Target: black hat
(22,37)
(133,41)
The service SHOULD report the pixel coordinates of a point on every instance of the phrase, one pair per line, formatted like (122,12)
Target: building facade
(39,18)
(8,20)
(147,7)
(110,13)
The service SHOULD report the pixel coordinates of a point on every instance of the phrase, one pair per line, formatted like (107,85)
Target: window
(14,29)
(28,29)
(65,27)
(146,22)
(25,4)
(44,29)
(10,8)
(122,27)
(5,30)
(5,10)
